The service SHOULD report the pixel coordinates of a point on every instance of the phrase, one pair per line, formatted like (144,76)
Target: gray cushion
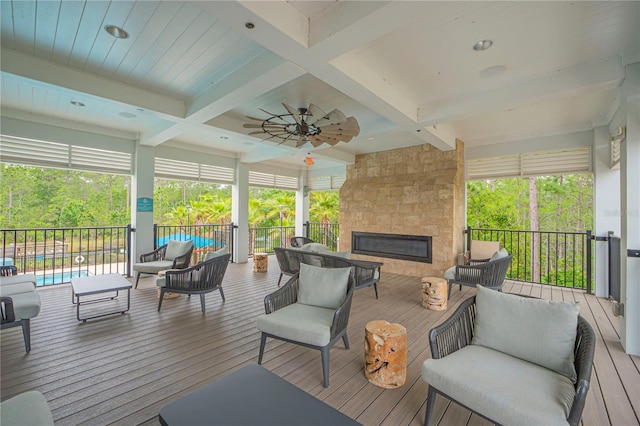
(450,274)
(153,267)
(176,249)
(16,288)
(26,305)
(217,253)
(499,254)
(506,389)
(323,287)
(345,254)
(539,331)
(315,247)
(21,278)
(28,408)
(298,322)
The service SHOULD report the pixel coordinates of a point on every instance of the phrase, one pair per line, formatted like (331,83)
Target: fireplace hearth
(415,248)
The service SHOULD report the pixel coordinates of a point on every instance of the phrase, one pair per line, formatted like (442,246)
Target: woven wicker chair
(284,301)
(174,255)
(201,279)
(365,273)
(457,332)
(489,274)
(298,242)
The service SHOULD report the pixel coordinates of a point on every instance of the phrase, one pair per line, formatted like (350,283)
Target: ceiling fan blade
(258,132)
(262,126)
(254,118)
(294,113)
(301,141)
(315,141)
(334,117)
(316,113)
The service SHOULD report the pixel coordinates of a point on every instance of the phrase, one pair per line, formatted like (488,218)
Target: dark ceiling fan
(306,125)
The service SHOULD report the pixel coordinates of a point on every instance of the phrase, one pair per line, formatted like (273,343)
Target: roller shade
(576,160)
(33,152)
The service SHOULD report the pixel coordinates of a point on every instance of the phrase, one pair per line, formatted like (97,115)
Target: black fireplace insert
(415,248)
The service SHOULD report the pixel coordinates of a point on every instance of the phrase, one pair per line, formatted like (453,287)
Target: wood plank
(124,369)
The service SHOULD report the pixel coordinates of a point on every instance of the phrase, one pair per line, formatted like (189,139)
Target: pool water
(58,277)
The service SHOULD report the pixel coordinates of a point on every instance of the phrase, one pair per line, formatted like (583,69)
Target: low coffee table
(96,284)
(251,396)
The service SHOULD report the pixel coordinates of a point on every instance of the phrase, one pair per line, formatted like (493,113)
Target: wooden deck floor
(123,369)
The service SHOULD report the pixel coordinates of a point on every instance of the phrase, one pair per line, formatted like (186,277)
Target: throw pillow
(176,249)
(323,287)
(315,247)
(214,254)
(499,254)
(542,332)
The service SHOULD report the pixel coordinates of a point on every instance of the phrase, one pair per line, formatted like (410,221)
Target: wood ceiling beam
(49,73)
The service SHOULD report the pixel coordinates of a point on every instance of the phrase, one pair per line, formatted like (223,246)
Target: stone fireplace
(416,191)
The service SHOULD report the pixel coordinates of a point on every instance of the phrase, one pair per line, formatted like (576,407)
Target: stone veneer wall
(416,191)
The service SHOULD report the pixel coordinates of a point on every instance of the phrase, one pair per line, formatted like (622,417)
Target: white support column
(606,206)
(142,201)
(240,213)
(630,206)
(302,203)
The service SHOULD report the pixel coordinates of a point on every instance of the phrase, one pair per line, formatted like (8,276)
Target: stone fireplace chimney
(415,191)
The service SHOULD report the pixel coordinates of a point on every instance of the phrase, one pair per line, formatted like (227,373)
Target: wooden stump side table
(385,354)
(434,293)
(260,262)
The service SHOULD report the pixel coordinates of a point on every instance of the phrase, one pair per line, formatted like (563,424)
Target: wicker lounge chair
(173,255)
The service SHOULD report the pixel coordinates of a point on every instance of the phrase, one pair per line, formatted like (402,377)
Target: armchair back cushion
(323,287)
(499,254)
(483,249)
(315,248)
(217,253)
(177,249)
(504,322)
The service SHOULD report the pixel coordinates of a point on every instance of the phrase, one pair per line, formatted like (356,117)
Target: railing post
(306,229)
(231,241)
(468,246)
(127,258)
(588,261)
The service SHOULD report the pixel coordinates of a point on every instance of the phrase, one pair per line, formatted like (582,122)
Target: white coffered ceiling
(191,71)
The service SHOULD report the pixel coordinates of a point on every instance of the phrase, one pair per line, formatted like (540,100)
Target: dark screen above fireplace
(416,248)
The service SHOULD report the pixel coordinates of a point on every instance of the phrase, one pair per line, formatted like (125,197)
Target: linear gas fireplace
(416,248)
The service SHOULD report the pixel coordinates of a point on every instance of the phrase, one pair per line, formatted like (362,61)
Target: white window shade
(325,183)
(576,160)
(183,170)
(268,180)
(33,152)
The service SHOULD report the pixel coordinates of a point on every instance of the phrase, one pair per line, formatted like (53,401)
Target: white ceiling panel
(190,71)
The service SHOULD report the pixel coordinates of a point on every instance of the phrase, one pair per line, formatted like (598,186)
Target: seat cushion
(323,287)
(176,249)
(539,331)
(28,408)
(153,267)
(503,388)
(26,305)
(16,288)
(301,323)
(12,279)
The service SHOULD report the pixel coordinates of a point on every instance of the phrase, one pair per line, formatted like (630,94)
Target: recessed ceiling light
(116,31)
(482,45)
(76,103)
(250,25)
(126,114)
(493,71)
(370,138)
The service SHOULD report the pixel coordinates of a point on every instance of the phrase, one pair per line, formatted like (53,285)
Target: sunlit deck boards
(123,369)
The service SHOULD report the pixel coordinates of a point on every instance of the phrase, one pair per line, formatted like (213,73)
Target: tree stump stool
(434,293)
(385,354)
(260,262)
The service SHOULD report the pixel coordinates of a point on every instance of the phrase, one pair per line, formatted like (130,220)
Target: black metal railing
(325,233)
(264,239)
(561,259)
(205,238)
(55,255)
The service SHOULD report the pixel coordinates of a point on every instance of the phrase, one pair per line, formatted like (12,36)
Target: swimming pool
(58,277)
